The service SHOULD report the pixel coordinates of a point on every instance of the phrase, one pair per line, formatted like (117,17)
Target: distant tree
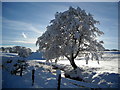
(16,49)
(72,33)
(114,50)
(9,49)
(3,49)
(24,52)
(106,50)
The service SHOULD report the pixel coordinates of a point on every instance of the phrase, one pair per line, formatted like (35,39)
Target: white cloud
(24,42)
(24,35)
(18,25)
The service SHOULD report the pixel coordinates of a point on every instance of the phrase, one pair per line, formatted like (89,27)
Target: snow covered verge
(104,75)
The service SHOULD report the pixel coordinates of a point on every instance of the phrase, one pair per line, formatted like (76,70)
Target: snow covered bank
(43,77)
(103,75)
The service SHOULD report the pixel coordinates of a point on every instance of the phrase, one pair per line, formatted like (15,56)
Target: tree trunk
(72,62)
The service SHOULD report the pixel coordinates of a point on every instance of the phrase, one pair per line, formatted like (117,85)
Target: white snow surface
(103,75)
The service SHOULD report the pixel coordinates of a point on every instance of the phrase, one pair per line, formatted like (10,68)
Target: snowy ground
(103,75)
(107,64)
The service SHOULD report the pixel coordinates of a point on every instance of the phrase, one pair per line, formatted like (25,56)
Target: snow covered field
(107,64)
(103,75)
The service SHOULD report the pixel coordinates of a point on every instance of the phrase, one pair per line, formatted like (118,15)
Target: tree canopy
(72,33)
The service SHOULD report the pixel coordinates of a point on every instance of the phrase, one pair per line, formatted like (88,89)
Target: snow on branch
(71,33)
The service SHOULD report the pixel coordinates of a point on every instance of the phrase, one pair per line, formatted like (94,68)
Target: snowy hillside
(94,75)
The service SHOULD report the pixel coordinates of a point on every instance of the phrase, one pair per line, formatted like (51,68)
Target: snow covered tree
(16,49)
(24,52)
(2,49)
(72,33)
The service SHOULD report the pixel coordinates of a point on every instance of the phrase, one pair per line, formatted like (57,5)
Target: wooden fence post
(21,70)
(59,81)
(33,76)
(59,78)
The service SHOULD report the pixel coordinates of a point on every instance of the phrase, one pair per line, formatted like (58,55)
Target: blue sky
(24,22)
